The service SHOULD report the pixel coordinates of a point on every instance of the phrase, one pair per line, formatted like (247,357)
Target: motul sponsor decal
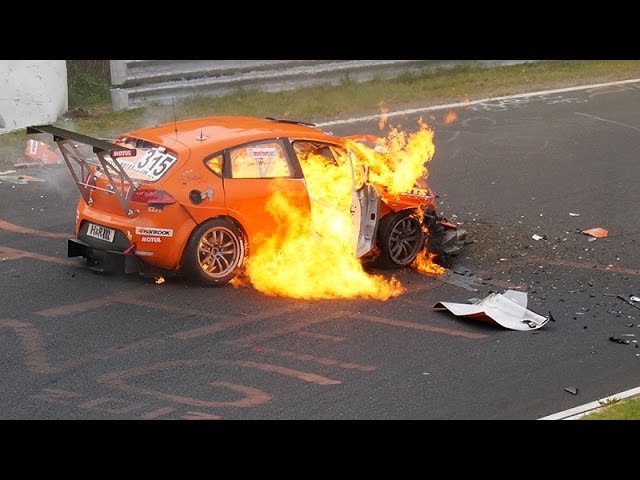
(123,153)
(151,240)
(158,232)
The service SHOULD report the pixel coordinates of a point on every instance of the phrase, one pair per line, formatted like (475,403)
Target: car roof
(212,134)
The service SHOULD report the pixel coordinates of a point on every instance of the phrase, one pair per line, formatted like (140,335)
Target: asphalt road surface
(79,345)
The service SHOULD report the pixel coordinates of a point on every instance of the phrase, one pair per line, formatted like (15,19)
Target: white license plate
(102,233)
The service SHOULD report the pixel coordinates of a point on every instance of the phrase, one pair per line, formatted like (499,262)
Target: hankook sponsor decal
(158,232)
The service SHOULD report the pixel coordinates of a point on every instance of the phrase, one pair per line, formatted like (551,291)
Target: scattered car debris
(574,214)
(596,232)
(537,237)
(622,297)
(19,179)
(623,339)
(159,280)
(465,279)
(551,317)
(38,153)
(634,298)
(571,390)
(508,310)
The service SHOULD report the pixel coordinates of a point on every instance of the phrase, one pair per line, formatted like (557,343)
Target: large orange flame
(425,263)
(402,159)
(299,262)
(314,257)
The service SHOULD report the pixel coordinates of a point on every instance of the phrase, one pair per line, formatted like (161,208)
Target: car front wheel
(214,253)
(400,238)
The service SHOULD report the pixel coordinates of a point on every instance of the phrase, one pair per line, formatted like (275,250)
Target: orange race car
(192,197)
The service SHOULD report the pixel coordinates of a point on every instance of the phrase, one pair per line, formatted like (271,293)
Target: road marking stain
(93,304)
(200,416)
(98,405)
(56,396)
(11,227)
(226,323)
(35,356)
(321,360)
(251,396)
(307,377)
(81,307)
(8,253)
(322,336)
(158,413)
(274,332)
(417,326)
(32,344)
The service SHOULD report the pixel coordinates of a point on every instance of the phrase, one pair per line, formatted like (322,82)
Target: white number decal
(154,164)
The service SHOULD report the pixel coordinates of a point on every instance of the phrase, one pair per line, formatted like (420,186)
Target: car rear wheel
(399,239)
(214,253)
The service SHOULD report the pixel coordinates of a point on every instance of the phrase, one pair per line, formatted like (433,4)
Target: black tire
(399,239)
(214,254)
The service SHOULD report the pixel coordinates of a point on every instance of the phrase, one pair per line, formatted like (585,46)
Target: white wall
(32,92)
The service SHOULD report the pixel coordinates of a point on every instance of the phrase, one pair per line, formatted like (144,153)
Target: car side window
(306,151)
(215,164)
(315,155)
(259,160)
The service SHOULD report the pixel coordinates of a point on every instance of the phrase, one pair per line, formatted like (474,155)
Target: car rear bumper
(101,260)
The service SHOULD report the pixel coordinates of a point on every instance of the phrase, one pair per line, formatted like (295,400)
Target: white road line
(577,412)
(608,121)
(411,111)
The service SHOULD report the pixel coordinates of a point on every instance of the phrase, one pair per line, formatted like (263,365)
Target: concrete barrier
(31,92)
(142,82)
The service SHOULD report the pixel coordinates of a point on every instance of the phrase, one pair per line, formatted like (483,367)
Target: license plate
(102,233)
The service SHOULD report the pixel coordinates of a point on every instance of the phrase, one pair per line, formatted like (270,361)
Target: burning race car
(207,198)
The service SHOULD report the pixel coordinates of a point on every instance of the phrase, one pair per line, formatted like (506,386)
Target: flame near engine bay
(294,264)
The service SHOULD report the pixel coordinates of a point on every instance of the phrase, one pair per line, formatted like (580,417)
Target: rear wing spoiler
(81,168)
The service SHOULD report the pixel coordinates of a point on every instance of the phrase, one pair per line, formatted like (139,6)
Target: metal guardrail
(137,83)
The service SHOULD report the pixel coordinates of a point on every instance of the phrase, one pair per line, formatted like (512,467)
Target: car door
(253,173)
(336,183)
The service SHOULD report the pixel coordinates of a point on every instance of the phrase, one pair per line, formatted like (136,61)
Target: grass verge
(620,410)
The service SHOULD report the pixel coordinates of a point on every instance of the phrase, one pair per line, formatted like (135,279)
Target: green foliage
(617,410)
(88,83)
